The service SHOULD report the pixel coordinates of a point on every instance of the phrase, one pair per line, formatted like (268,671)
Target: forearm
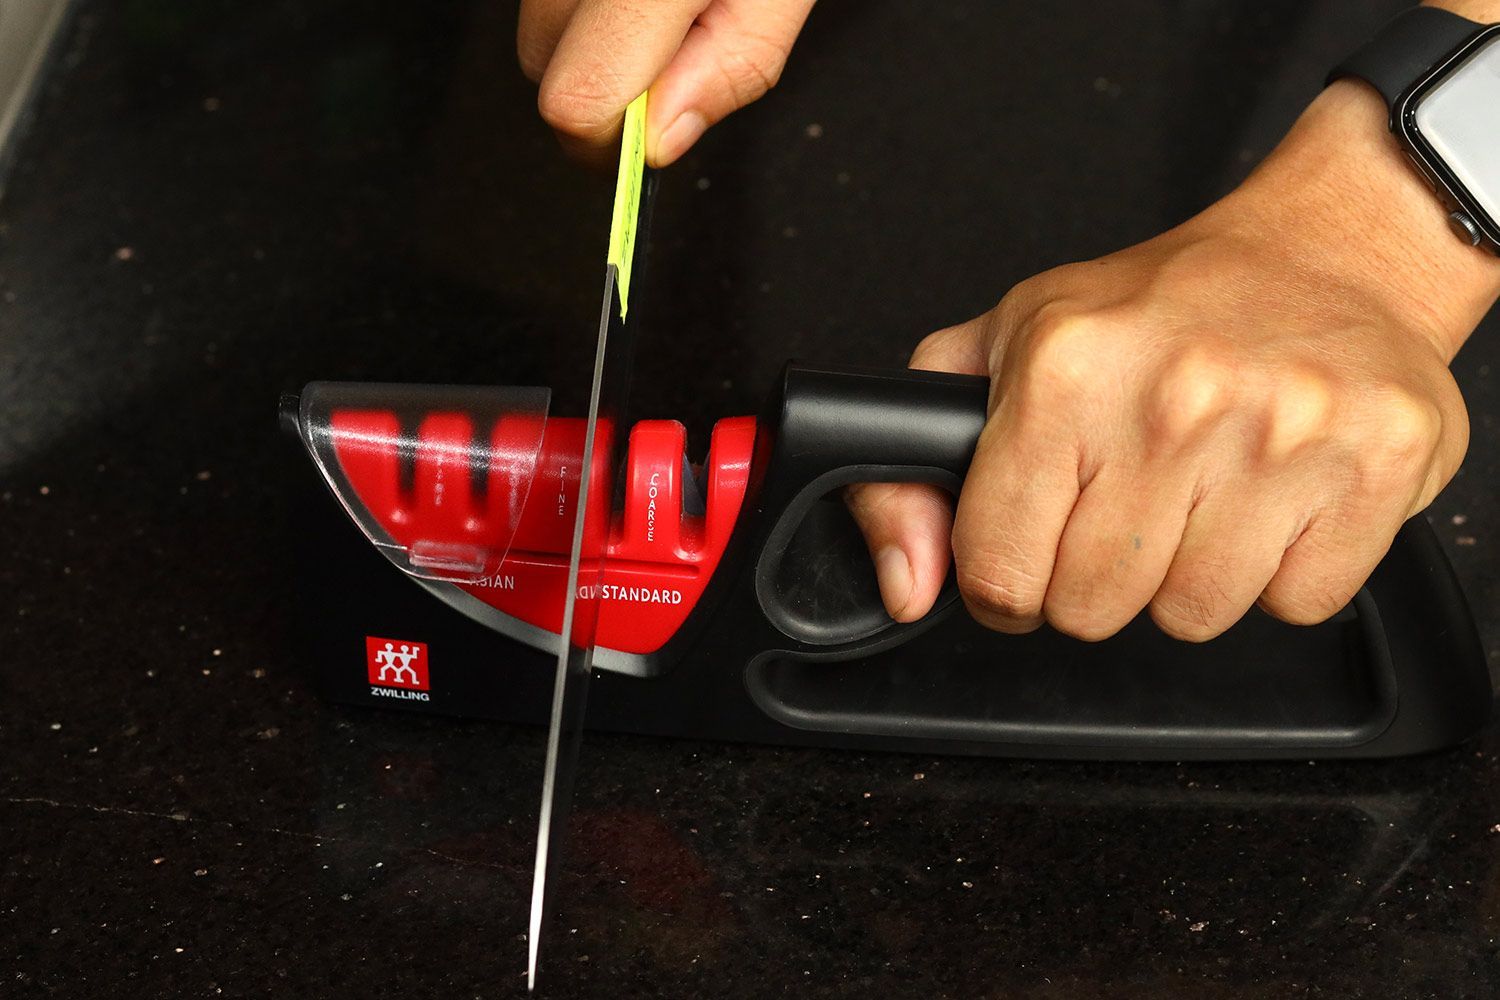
(1354,208)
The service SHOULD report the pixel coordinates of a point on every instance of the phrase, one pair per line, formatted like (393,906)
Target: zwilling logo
(396,669)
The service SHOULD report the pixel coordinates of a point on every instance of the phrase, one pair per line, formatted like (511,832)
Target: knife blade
(608,394)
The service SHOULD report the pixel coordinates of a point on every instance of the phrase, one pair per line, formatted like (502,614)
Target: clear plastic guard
(436,476)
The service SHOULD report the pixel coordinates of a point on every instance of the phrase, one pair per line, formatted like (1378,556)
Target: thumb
(908,526)
(734,53)
(607,54)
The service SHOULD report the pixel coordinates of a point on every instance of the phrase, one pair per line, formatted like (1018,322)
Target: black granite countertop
(220,200)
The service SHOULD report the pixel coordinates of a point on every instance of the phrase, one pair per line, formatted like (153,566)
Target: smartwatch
(1440,75)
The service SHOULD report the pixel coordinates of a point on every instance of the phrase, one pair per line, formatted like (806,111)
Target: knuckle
(1179,620)
(1301,602)
(1193,611)
(994,594)
(875,504)
(577,108)
(752,67)
(1189,393)
(933,345)
(533,58)
(1068,352)
(1298,412)
(1013,308)
(1084,623)
(1408,425)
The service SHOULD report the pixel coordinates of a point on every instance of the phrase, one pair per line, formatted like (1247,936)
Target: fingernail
(894,571)
(678,136)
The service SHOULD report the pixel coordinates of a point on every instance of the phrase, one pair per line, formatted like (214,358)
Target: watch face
(1457,117)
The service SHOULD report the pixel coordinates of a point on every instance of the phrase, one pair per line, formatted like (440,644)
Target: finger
(1011,514)
(907,526)
(608,54)
(1119,541)
(732,55)
(1232,545)
(1397,474)
(1021,486)
(1322,570)
(538,29)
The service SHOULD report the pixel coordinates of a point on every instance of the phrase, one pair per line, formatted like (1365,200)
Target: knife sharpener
(739,601)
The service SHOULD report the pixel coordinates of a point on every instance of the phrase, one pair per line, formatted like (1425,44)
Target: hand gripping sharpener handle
(1400,671)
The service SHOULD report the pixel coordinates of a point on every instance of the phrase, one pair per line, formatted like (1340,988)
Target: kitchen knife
(613,353)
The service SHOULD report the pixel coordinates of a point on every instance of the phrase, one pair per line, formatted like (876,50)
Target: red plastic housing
(657,559)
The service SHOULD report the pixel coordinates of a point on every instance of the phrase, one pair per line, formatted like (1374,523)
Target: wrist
(1341,198)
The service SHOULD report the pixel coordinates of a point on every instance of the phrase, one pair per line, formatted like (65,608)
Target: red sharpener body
(486,504)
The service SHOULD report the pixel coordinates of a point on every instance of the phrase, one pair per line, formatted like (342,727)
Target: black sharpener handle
(1399,671)
(828,428)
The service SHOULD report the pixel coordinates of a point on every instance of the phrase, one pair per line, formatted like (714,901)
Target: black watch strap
(1406,48)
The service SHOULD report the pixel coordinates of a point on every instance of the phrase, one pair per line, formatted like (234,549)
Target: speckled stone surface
(219,201)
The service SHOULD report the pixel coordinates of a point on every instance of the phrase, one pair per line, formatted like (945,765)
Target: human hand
(1243,409)
(701,60)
